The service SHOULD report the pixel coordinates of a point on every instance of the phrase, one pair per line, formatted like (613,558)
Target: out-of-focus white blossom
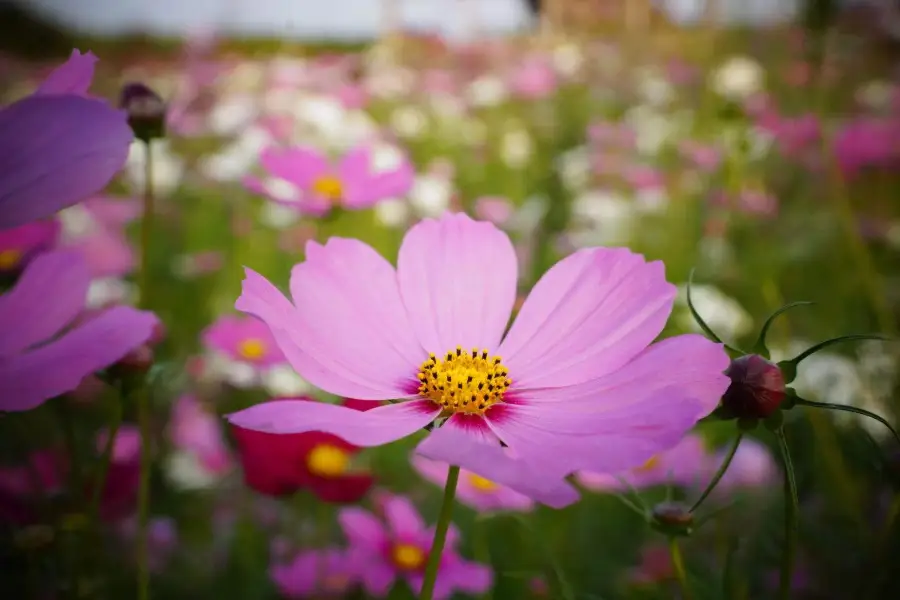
(723,314)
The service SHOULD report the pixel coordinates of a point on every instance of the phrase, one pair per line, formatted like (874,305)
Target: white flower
(408,122)
(232,114)
(431,195)
(168,168)
(723,314)
(109,290)
(568,59)
(739,78)
(77,223)
(392,212)
(185,471)
(516,148)
(575,168)
(281,189)
(281,381)
(653,88)
(278,216)
(487,90)
(603,217)
(875,95)
(385,158)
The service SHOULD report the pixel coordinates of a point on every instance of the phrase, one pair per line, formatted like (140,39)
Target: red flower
(281,464)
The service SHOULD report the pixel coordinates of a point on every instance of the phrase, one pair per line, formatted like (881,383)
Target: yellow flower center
(329,187)
(326,460)
(408,557)
(464,382)
(651,464)
(10,258)
(252,348)
(482,484)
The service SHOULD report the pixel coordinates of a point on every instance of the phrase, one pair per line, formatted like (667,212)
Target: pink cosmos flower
(655,566)
(243,339)
(398,549)
(307,180)
(752,467)
(534,78)
(683,464)
(196,432)
(705,157)
(496,209)
(474,490)
(19,244)
(39,357)
(96,229)
(572,386)
(327,573)
(58,145)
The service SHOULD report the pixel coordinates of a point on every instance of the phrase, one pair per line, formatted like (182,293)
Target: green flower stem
(115,421)
(143,399)
(720,472)
(791,513)
(680,571)
(440,534)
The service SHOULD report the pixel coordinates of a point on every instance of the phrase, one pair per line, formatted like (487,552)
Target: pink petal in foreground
(465,444)
(587,316)
(47,297)
(376,427)
(57,368)
(458,281)
(72,77)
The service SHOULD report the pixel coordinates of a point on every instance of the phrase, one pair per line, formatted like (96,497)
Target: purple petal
(362,528)
(300,166)
(376,427)
(72,77)
(458,281)
(56,151)
(48,296)
(59,367)
(459,443)
(402,518)
(587,316)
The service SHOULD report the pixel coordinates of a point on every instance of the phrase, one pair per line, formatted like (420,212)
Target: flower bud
(757,388)
(138,360)
(146,111)
(672,519)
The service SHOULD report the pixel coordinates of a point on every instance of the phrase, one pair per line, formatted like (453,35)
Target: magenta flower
(203,454)
(39,357)
(481,494)
(243,339)
(96,229)
(306,179)
(752,467)
(327,573)
(398,549)
(58,146)
(20,244)
(683,464)
(573,386)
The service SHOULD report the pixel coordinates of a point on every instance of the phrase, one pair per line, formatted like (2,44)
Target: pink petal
(319,361)
(349,308)
(362,528)
(587,316)
(48,296)
(381,425)
(470,577)
(300,166)
(474,448)
(59,367)
(402,517)
(72,77)
(458,281)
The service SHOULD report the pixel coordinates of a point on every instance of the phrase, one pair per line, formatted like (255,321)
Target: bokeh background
(754,141)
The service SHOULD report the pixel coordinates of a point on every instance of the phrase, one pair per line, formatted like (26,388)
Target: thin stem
(105,460)
(791,511)
(844,338)
(850,409)
(720,472)
(143,400)
(440,534)
(680,571)
(68,430)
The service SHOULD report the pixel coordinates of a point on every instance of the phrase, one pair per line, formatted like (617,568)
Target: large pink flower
(572,386)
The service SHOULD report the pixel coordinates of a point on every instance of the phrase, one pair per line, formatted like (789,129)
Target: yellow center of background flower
(408,557)
(482,484)
(10,258)
(329,187)
(326,460)
(464,382)
(252,348)
(651,464)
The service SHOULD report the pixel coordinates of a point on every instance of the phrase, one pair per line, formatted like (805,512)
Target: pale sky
(338,18)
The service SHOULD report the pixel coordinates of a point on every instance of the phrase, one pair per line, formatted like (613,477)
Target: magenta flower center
(464,382)
(407,557)
(329,187)
(10,258)
(326,460)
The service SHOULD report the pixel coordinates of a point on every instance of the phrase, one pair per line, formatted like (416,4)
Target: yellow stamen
(651,464)
(10,258)
(408,557)
(326,460)
(252,349)
(481,484)
(464,382)
(329,187)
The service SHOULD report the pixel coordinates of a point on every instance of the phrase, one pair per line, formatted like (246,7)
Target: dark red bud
(757,388)
(138,360)
(673,518)
(157,335)
(146,111)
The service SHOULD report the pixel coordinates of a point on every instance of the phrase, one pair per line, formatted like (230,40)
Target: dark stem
(440,535)
(720,472)
(791,512)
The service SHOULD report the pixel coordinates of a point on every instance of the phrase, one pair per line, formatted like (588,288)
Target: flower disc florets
(464,382)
